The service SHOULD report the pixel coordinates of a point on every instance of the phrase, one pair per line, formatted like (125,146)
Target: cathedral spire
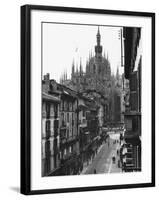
(117,73)
(62,78)
(73,68)
(98,37)
(66,75)
(98,47)
(76,69)
(81,70)
(87,66)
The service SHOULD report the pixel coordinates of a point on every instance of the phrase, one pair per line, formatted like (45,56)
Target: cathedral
(97,77)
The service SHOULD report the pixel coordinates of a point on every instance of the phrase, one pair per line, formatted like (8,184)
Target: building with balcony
(69,138)
(132,115)
(50,134)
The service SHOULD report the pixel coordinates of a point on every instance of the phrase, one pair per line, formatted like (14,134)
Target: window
(55,161)
(48,128)
(67,106)
(56,110)
(65,151)
(62,119)
(47,149)
(70,149)
(133,81)
(62,104)
(134,101)
(70,106)
(68,117)
(47,110)
(135,124)
(84,113)
(128,124)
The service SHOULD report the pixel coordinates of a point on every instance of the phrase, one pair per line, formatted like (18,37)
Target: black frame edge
(92,188)
(89,10)
(25,101)
(153,98)
(25,180)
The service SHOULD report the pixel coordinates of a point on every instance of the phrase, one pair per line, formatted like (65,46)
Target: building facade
(50,134)
(133,62)
(68,137)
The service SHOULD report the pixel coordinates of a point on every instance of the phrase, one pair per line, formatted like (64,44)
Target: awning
(132,137)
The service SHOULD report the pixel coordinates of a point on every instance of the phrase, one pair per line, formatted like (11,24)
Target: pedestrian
(113,159)
(118,163)
(95,171)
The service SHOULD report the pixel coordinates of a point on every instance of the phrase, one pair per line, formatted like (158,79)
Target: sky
(63,43)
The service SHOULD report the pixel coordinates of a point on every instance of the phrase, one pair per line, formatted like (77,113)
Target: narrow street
(102,162)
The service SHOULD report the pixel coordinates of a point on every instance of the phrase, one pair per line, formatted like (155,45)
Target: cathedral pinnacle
(98,47)
(73,68)
(81,70)
(98,37)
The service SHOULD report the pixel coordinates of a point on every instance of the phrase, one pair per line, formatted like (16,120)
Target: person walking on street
(95,171)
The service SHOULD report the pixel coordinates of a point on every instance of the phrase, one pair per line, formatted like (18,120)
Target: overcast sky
(63,43)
